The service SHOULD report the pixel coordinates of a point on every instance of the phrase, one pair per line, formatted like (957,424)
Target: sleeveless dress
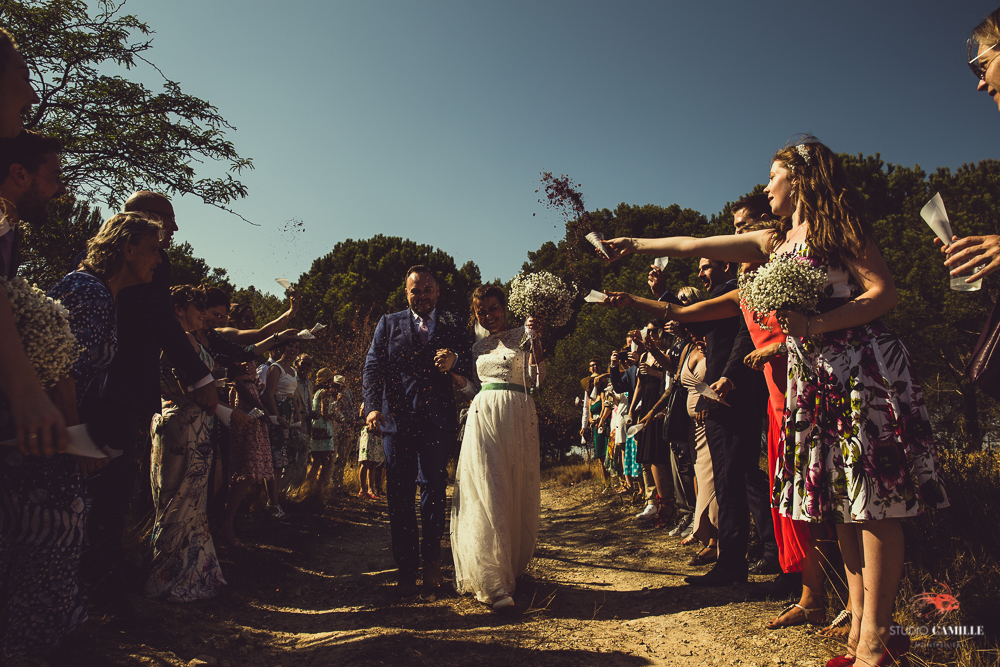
(249,447)
(650,445)
(320,424)
(706,506)
(857,436)
(494,517)
(600,439)
(185,566)
(791,536)
(283,399)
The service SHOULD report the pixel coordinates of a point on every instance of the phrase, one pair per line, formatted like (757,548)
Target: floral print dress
(185,567)
(857,436)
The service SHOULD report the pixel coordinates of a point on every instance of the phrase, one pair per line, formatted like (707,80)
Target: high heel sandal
(895,652)
(704,557)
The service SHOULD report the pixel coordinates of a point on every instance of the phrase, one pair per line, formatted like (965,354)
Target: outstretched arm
(721,307)
(750,247)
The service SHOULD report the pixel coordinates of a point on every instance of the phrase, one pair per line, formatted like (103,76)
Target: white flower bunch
(542,295)
(43,325)
(786,282)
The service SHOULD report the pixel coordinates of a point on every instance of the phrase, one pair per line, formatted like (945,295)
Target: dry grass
(571,474)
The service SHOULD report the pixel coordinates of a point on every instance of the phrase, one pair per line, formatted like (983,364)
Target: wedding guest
(29,178)
(371,457)
(147,324)
(979,256)
(864,372)
(185,567)
(326,419)
(279,403)
(233,352)
(251,460)
(42,498)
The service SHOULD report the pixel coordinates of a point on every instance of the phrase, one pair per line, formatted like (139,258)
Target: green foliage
(186,269)
(119,136)
(358,279)
(266,307)
(48,250)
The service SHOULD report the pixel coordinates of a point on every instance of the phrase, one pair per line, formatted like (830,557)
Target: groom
(409,398)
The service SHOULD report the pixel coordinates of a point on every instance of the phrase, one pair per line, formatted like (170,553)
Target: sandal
(840,626)
(689,540)
(776,622)
(704,557)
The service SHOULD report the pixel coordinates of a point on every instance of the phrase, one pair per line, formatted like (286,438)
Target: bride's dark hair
(481,293)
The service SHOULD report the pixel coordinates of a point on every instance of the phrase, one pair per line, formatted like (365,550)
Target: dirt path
(316,590)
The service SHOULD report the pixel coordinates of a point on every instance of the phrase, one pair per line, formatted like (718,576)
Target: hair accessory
(801,149)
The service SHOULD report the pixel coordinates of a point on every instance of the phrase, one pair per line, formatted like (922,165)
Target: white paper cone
(223,413)
(706,391)
(597,240)
(595,297)
(936,217)
(661,262)
(305,334)
(632,430)
(284,282)
(318,327)
(633,346)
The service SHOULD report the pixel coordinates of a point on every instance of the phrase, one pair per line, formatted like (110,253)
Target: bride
(494,519)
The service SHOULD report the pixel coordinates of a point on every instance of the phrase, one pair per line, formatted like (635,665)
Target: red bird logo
(933,607)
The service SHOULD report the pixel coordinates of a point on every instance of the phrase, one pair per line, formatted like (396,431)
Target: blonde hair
(106,251)
(988,32)
(830,202)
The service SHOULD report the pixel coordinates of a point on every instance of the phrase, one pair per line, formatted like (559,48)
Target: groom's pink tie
(422,329)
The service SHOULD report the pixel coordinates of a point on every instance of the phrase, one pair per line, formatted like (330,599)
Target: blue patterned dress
(185,567)
(42,508)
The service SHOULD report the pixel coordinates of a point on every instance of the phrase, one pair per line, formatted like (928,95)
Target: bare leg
(812,587)
(363,477)
(237,492)
(882,568)
(849,536)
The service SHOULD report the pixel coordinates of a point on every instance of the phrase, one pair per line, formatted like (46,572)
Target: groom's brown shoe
(406,584)
(432,576)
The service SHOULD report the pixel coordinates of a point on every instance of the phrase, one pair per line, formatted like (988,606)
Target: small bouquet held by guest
(43,325)
(542,296)
(786,282)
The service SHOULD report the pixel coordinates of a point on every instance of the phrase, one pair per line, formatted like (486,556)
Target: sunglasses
(974,56)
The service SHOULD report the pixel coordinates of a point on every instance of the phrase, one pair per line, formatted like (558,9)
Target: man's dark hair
(756,206)
(420,268)
(594,361)
(7,46)
(215,297)
(27,149)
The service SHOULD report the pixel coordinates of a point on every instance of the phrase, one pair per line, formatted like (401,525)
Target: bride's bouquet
(43,326)
(787,282)
(541,295)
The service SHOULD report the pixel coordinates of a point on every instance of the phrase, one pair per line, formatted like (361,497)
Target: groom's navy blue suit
(421,425)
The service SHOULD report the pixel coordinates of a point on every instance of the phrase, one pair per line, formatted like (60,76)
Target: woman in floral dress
(185,567)
(858,448)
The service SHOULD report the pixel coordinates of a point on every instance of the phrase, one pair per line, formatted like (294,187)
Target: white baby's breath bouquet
(786,282)
(43,325)
(541,295)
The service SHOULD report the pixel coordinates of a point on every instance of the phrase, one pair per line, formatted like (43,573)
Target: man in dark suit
(409,397)
(733,433)
(121,409)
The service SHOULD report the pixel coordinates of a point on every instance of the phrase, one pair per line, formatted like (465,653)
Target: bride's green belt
(496,386)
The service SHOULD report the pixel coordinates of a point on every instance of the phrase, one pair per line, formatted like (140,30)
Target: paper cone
(706,391)
(936,217)
(595,297)
(661,263)
(283,282)
(632,430)
(597,240)
(223,413)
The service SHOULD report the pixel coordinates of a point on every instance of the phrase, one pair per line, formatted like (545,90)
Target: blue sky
(433,120)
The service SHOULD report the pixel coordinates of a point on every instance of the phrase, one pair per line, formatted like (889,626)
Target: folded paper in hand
(936,218)
(661,262)
(632,430)
(597,240)
(595,297)
(706,391)
(310,334)
(284,282)
(223,413)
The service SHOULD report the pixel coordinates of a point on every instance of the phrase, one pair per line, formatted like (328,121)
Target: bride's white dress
(494,516)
